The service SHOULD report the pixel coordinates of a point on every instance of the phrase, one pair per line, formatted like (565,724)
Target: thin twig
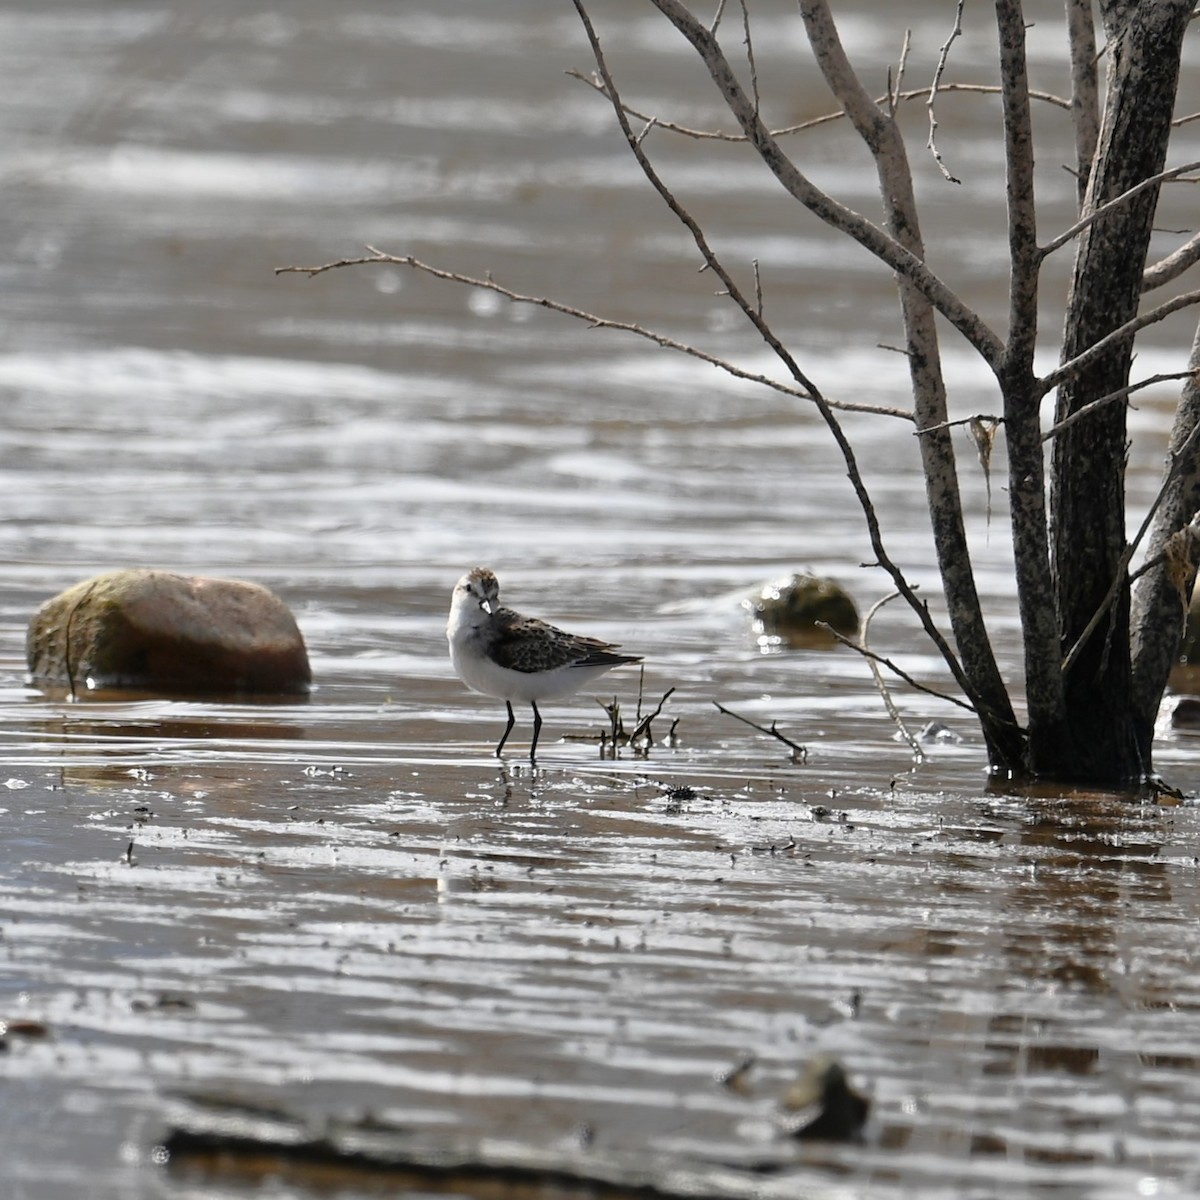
(1121,334)
(1120,394)
(1147,566)
(716,135)
(1173,265)
(1124,198)
(893,92)
(899,672)
(748,42)
(888,703)
(615,730)
(931,144)
(375,257)
(963,421)
(642,728)
(799,752)
(883,245)
(651,124)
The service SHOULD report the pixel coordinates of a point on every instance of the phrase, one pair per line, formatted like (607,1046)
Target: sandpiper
(501,653)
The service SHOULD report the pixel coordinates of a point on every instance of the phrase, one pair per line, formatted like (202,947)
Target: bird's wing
(527,644)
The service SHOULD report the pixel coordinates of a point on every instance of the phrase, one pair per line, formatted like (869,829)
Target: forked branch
(1120,335)
(741,106)
(1090,218)
(837,215)
(1120,394)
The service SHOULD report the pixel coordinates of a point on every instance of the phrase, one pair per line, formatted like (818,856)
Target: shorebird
(503,654)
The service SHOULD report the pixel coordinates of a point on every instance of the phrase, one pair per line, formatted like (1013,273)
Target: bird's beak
(486,605)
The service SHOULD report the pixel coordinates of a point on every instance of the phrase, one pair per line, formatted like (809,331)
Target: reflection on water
(347,906)
(469,948)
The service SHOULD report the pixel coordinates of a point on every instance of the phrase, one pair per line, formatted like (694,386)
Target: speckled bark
(1088,489)
(1160,602)
(1085,90)
(1083,724)
(1022,400)
(882,135)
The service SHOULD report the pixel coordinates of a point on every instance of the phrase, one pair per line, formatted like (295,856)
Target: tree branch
(1170,268)
(1026,465)
(716,135)
(980,677)
(899,672)
(893,711)
(944,54)
(1122,333)
(1160,601)
(1022,214)
(1085,89)
(1111,398)
(756,320)
(833,213)
(960,421)
(799,752)
(377,257)
(1104,209)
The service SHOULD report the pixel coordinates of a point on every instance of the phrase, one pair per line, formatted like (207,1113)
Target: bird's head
(480,587)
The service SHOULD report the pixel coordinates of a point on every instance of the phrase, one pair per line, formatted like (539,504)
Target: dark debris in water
(214,1139)
(799,753)
(163,1002)
(821,1104)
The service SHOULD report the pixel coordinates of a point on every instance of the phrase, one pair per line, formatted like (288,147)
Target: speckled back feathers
(527,644)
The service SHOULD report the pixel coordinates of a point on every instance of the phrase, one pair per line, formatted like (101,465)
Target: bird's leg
(537,728)
(512,720)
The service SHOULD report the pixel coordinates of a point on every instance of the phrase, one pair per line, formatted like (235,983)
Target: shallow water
(346,906)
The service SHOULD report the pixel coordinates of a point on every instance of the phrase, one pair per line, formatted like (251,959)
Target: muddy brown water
(346,907)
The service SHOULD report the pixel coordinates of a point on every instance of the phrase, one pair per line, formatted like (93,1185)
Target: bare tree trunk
(1085,102)
(879,130)
(1160,603)
(1088,488)
(1092,682)
(1022,402)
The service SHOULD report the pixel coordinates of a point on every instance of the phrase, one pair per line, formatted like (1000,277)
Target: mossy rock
(167,634)
(793,611)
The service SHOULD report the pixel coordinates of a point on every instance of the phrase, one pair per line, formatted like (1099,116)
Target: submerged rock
(178,635)
(821,1104)
(791,611)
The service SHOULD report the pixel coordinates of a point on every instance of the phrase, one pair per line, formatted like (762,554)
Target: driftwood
(214,1138)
